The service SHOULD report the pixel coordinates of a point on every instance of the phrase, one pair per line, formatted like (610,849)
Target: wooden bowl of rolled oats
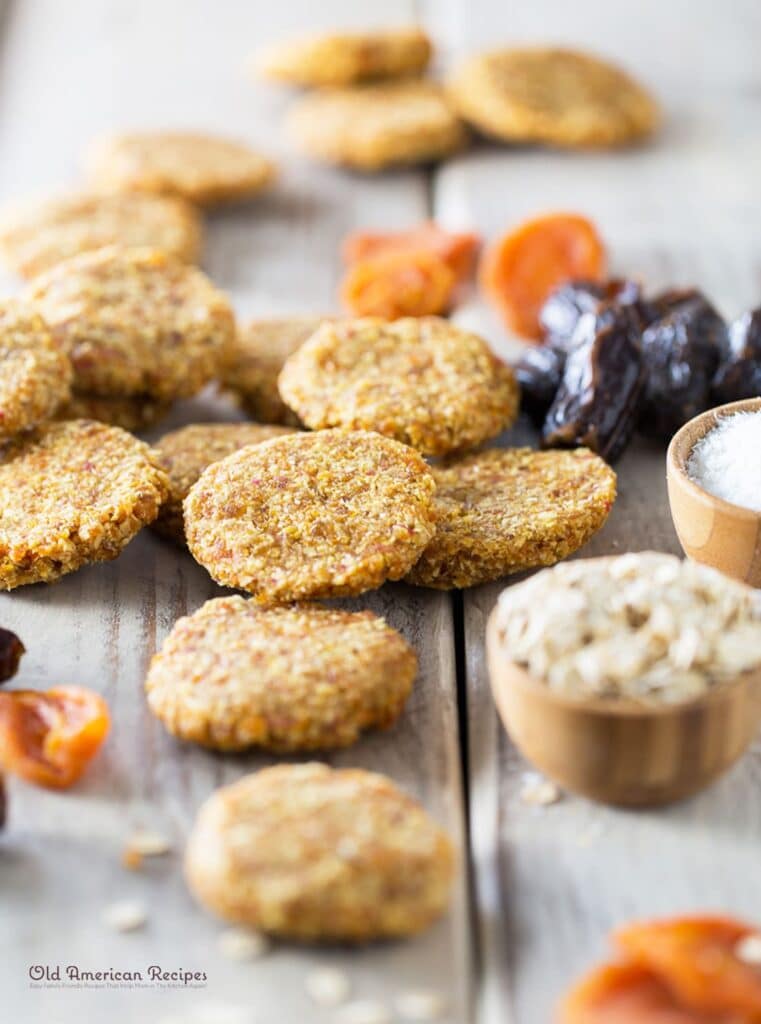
(633,680)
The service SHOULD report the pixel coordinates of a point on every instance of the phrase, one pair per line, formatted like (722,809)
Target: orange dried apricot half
(49,737)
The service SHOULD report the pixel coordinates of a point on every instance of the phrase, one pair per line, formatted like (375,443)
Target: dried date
(564,308)
(11,650)
(539,373)
(739,375)
(682,346)
(597,403)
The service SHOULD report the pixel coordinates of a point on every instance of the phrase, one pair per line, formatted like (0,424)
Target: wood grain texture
(550,882)
(69,71)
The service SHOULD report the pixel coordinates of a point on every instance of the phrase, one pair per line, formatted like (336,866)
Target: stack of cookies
(371,109)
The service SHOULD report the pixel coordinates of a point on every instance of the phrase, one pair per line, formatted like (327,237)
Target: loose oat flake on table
(646,627)
(35,375)
(422,381)
(505,510)
(186,453)
(204,169)
(312,853)
(344,58)
(35,236)
(72,493)
(135,322)
(372,127)
(326,514)
(297,677)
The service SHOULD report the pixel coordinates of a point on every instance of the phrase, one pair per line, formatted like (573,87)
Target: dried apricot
(458,250)
(697,958)
(520,269)
(399,284)
(49,737)
(626,993)
(11,650)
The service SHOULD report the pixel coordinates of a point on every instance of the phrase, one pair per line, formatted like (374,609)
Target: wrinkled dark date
(739,375)
(539,373)
(597,403)
(564,308)
(682,348)
(11,650)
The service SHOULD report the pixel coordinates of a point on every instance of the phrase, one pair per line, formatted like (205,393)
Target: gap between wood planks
(457,608)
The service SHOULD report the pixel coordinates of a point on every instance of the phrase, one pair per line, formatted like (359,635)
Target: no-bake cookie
(297,677)
(307,852)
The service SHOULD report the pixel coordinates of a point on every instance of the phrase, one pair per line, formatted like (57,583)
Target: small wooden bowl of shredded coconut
(633,680)
(713,469)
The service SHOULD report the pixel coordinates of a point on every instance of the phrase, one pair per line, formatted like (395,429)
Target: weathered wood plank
(551,882)
(71,70)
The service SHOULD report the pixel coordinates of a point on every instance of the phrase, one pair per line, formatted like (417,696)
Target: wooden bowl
(711,530)
(622,752)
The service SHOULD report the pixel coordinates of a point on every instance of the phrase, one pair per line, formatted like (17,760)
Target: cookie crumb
(327,986)
(125,916)
(146,843)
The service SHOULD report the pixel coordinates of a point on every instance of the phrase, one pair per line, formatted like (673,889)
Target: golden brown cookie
(186,453)
(135,322)
(555,96)
(35,376)
(376,126)
(134,414)
(204,169)
(346,58)
(72,493)
(259,353)
(307,852)
(37,236)
(289,678)
(420,380)
(505,510)
(329,514)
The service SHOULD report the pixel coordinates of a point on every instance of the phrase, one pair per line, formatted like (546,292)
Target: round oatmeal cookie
(329,514)
(186,453)
(259,354)
(136,322)
(346,58)
(72,493)
(559,97)
(297,677)
(35,376)
(37,236)
(204,169)
(311,853)
(420,380)
(505,510)
(375,126)
(133,414)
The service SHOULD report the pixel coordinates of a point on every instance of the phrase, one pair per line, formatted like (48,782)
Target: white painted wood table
(538,888)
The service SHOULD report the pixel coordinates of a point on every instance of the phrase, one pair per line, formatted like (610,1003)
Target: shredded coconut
(727,461)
